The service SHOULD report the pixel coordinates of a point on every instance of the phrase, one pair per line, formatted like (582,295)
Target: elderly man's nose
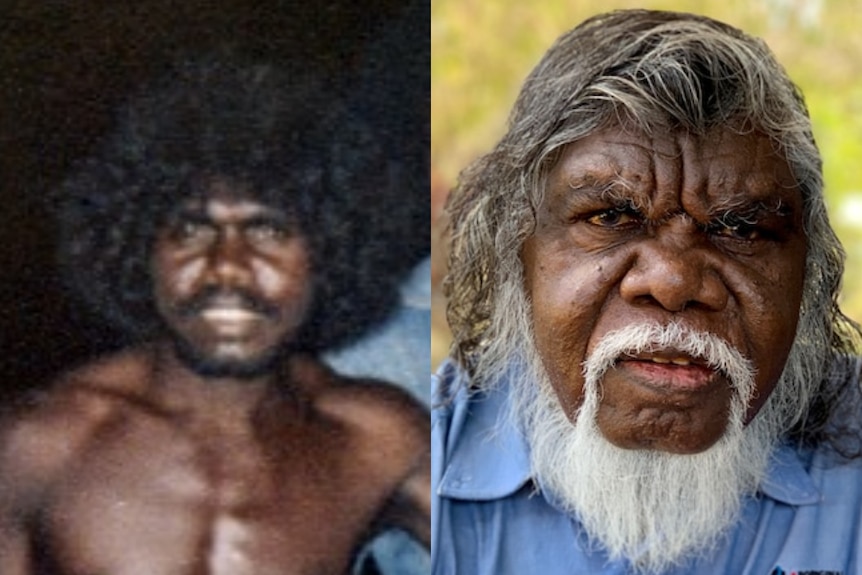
(674,276)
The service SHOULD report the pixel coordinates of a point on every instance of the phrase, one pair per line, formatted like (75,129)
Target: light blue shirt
(488,519)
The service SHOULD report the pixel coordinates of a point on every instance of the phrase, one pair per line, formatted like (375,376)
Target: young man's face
(639,229)
(232,280)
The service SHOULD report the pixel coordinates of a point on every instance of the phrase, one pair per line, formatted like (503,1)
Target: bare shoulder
(43,432)
(374,400)
(376,407)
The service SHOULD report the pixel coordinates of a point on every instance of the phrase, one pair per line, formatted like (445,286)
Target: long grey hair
(648,69)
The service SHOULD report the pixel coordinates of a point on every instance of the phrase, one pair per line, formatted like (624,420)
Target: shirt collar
(488,457)
(787,480)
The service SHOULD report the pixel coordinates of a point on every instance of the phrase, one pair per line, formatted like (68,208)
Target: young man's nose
(675,270)
(229,262)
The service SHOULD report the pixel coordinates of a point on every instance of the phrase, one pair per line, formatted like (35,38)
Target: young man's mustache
(220,297)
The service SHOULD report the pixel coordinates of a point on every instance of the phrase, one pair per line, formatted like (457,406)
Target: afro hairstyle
(286,134)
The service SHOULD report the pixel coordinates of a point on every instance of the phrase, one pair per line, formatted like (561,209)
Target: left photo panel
(215,288)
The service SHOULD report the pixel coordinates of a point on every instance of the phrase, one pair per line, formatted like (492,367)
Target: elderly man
(237,224)
(650,373)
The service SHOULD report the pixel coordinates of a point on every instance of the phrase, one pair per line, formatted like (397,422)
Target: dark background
(66,65)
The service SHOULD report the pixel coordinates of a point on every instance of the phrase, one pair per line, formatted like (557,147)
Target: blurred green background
(483,49)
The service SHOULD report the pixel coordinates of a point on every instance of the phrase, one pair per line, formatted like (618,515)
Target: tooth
(660,360)
(681,361)
(227,314)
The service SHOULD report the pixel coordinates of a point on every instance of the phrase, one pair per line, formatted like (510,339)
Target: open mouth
(231,321)
(216,305)
(229,314)
(673,361)
(671,371)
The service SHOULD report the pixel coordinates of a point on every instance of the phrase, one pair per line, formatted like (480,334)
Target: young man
(238,224)
(651,373)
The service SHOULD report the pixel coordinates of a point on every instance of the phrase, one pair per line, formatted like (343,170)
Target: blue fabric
(398,352)
(488,519)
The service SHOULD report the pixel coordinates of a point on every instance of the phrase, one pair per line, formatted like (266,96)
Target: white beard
(653,508)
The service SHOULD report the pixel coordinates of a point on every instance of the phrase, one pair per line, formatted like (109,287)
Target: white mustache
(709,348)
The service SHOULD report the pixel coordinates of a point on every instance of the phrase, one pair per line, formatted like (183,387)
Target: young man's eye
(267,231)
(189,229)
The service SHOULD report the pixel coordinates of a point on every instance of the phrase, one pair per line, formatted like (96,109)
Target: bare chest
(146,499)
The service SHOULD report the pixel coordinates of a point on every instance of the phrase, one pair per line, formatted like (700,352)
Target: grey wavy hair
(647,69)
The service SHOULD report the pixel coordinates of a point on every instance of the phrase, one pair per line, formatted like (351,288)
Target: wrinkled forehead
(719,167)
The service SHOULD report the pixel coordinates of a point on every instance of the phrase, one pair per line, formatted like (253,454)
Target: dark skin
(228,458)
(635,228)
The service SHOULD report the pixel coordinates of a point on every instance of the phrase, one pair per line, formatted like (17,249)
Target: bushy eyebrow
(621,193)
(616,191)
(750,210)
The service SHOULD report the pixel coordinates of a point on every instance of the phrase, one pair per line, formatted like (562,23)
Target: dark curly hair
(286,133)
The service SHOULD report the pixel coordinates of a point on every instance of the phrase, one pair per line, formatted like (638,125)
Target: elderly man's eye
(737,231)
(614,218)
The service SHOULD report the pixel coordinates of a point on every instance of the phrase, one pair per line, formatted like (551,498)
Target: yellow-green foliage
(483,49)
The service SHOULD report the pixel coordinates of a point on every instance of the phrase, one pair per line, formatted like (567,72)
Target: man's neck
(177,386)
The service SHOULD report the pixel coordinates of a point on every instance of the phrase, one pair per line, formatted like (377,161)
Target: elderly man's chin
(653,508)
(650,507)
